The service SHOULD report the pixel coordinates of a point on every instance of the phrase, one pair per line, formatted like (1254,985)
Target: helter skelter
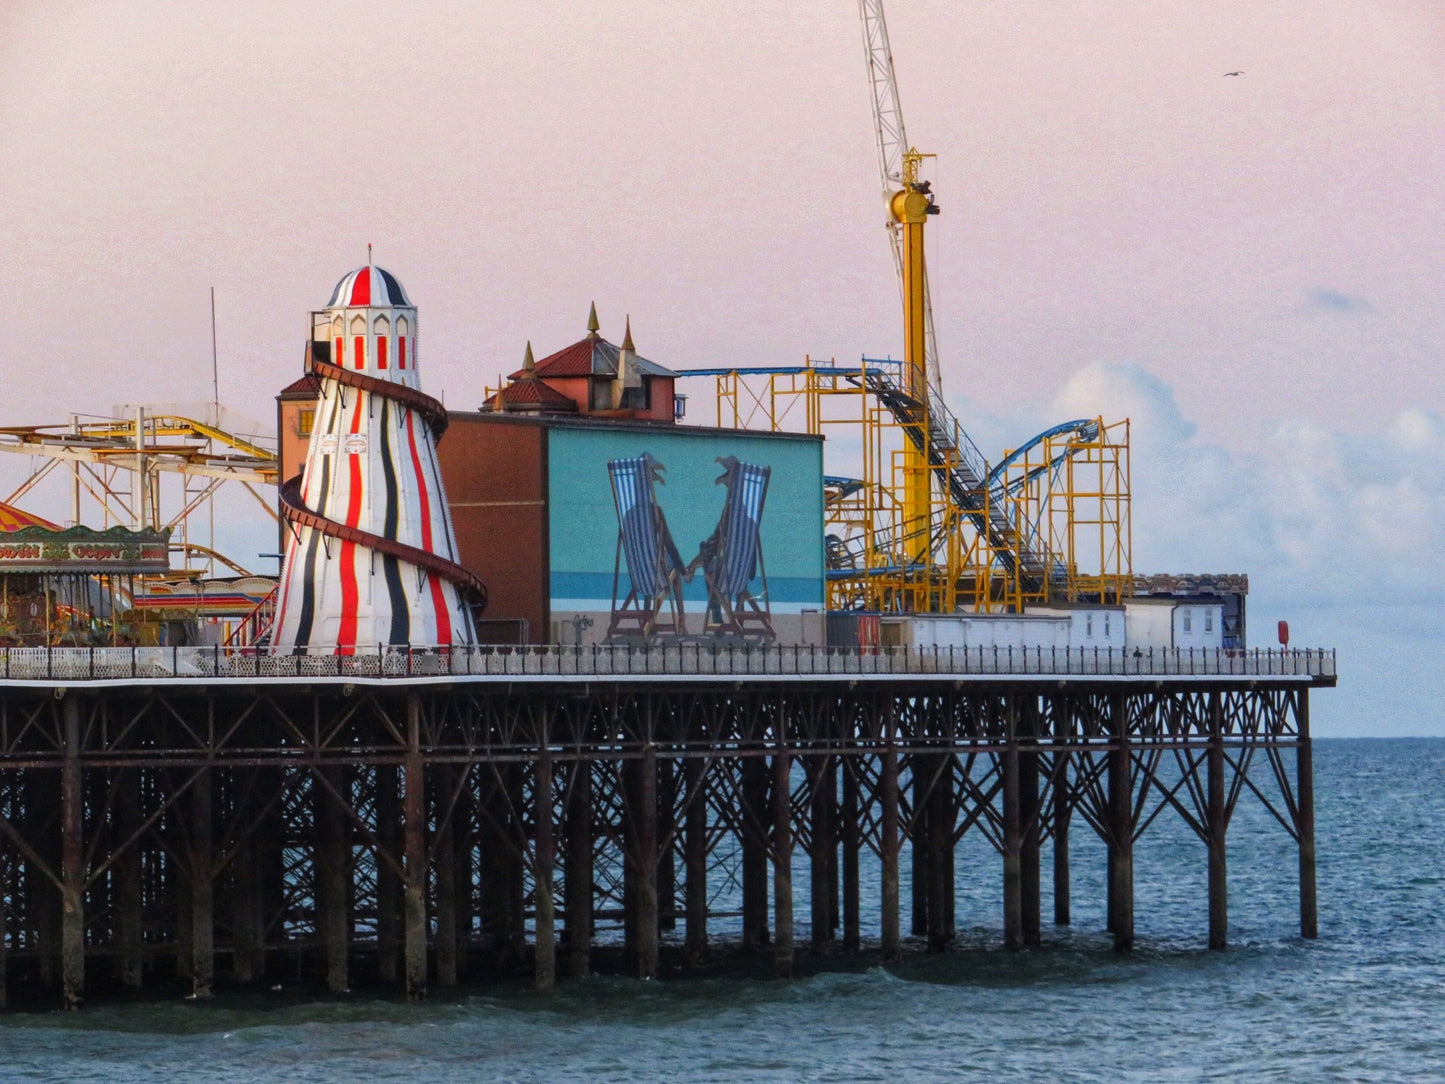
(371,555)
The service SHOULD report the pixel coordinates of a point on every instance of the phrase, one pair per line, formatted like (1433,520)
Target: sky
(1247,267)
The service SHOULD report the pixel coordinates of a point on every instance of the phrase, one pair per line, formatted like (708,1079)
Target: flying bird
(1227,74)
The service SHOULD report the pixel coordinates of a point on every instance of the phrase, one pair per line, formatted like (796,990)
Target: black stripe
(400,611)
(393,288)
(308,583)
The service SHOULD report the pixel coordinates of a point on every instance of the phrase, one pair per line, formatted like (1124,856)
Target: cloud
(1326,300)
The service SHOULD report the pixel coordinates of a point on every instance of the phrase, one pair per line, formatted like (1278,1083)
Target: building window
(1106,626)
(1089,625)
(1188,620)
(305,421)
(1208,620)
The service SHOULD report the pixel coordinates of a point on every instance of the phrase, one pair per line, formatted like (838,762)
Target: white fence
(217,663)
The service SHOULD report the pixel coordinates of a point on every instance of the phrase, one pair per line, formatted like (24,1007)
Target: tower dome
(368,287)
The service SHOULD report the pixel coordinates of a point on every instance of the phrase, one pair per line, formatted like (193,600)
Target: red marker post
(1284,634)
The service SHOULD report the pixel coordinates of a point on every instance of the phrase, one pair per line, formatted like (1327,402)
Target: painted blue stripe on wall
(597,585)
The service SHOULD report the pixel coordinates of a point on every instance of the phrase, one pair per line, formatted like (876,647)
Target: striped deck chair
(733,557)
(655,570)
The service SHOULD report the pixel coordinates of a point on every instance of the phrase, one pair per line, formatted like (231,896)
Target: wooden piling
(333,874)
(888,847)
(754,845)
(72,858)
(1013,923)
(852,843)
(1309,921)
(1217,826)
(940,823)
(823,857)
(414,850)
(645,869)
(1062,814)
(128,897)
(578,886)
(389,885)
(782,866)
(695,850)
(202,858)
(444,873)
(1121,828)
(1030,902)
(544,848)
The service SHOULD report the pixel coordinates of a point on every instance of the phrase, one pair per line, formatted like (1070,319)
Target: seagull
(1227,74)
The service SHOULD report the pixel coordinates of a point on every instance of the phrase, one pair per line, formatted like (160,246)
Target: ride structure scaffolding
(1049,523)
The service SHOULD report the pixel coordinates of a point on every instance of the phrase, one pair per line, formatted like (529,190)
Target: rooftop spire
(627,336)
(593,327)
(529,363)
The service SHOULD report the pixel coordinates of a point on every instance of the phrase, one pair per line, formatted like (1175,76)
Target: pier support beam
(1063,813)
(1121,828)
(333,875)
(823,861)
(1013,922)
(1030,903)
(644,857)
(577,886)
(1309,919)
(128,899)
(388,884)
(888,848)
(695,860)
(414,855)
(754,815)
(1217,823)
(202,861)
(445,780)
(782,865)
(545,957)
(852,848)
(72,859)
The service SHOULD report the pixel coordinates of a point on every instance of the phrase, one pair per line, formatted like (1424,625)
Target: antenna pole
(215,372)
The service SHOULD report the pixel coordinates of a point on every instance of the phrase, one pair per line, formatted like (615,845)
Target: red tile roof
(529,394)
(307,385)
(591,357)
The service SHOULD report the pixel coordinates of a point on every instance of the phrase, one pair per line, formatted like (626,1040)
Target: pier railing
(680,659)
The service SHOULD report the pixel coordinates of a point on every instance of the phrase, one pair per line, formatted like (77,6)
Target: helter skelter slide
(371,558)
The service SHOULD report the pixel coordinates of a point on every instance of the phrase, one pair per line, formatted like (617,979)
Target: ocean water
(1366,1002)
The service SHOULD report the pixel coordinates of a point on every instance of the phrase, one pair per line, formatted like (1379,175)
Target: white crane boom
(892,143)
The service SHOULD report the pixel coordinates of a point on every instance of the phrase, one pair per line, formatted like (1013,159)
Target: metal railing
(680,659)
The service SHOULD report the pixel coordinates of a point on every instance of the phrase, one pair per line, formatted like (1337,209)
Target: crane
(893,148)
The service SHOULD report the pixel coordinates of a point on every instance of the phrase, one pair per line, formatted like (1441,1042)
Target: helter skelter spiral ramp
(371,556)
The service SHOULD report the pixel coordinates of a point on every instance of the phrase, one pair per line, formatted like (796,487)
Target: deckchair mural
(733,556)
(655,571)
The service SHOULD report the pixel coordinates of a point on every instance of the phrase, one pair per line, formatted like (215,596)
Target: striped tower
(371,554)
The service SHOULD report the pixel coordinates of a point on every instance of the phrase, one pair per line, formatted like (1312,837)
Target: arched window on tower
(380,326)
(338,330)
(403,327)
(358,341)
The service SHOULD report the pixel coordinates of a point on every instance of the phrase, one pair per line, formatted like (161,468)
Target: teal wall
(583,527)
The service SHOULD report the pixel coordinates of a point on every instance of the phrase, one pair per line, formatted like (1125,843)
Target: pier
(412,819)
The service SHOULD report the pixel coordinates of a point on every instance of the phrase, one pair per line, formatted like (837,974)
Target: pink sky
(1267,247)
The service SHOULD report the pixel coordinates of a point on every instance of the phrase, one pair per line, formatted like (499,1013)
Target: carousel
(73,586)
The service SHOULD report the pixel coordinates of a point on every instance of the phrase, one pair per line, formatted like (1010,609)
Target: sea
(1364,1002)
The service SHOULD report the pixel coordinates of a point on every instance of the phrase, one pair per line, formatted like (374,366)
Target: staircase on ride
(962,469)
